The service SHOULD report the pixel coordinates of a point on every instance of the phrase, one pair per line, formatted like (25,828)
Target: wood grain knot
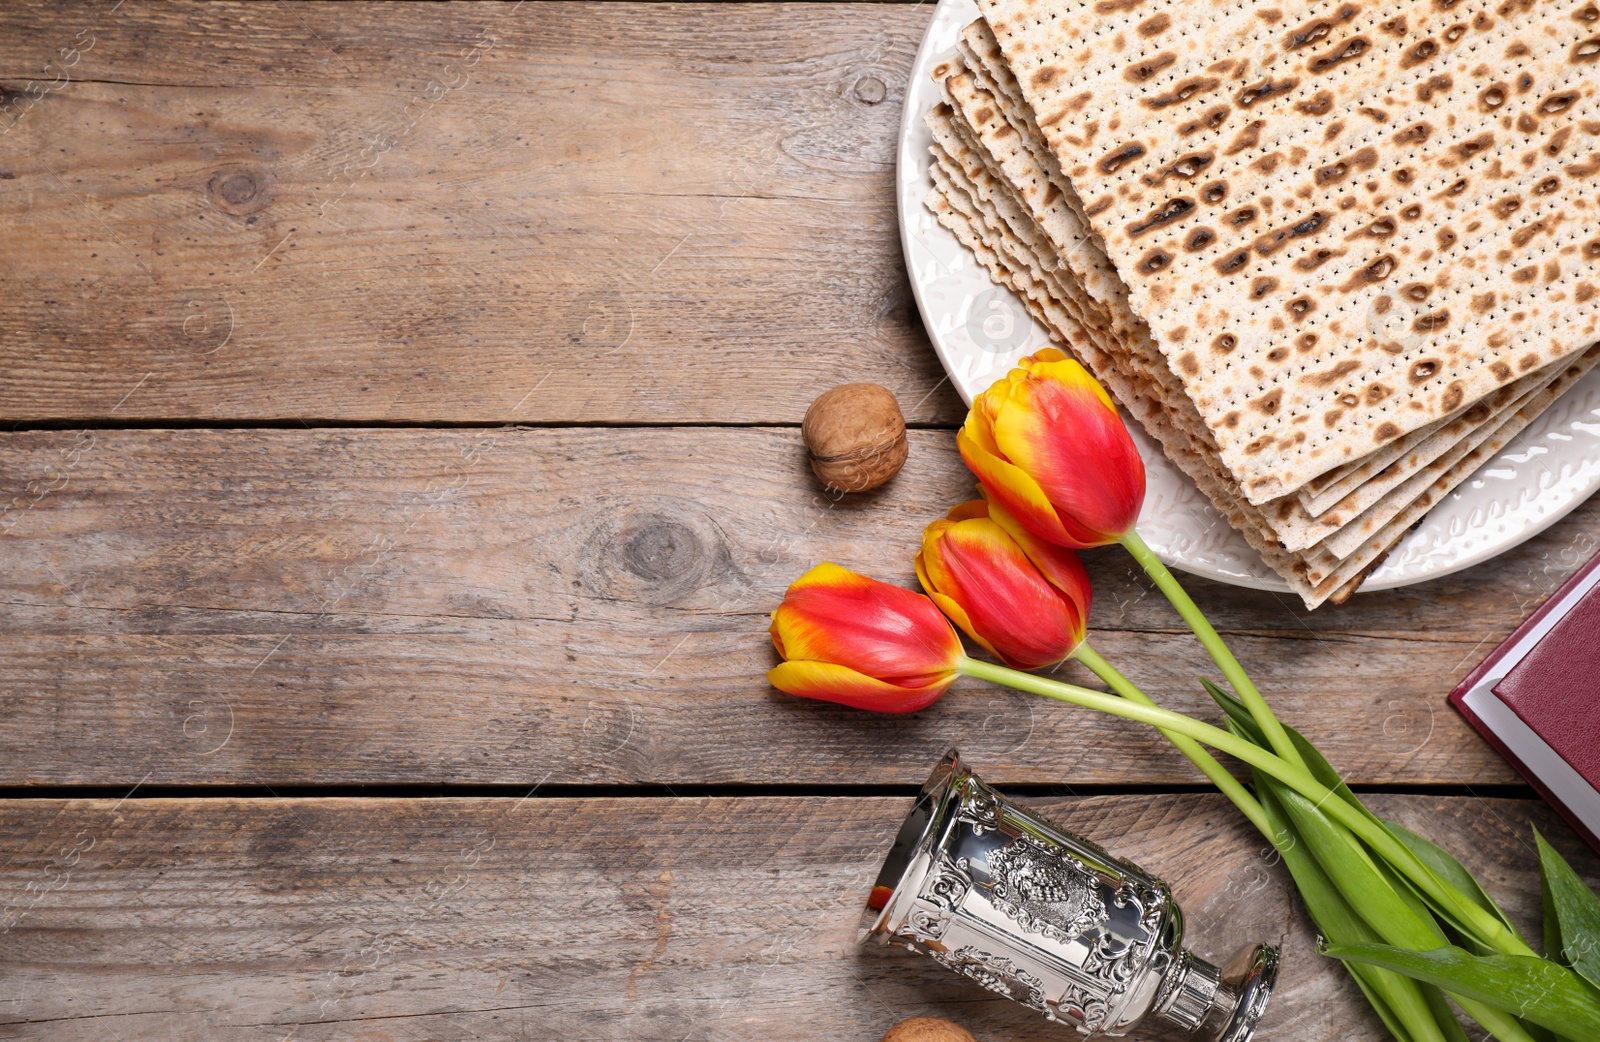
(653,558)
(870,90)
(661,551)
(239,191)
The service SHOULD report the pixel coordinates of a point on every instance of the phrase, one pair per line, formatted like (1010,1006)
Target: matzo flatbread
(1341,223)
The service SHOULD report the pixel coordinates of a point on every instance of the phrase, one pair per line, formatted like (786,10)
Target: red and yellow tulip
(1048,447)
(860,642)
(1026,601)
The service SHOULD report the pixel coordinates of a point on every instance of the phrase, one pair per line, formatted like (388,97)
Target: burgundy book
(1536,700)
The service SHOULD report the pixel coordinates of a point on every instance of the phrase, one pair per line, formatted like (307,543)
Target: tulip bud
(1026,601)
(1048,447)
(860,642)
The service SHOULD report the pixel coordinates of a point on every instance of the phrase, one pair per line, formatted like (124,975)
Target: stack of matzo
(1332,257)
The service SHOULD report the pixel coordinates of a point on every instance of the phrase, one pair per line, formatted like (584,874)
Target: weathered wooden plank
(574,605)
(552,211)
(597,919)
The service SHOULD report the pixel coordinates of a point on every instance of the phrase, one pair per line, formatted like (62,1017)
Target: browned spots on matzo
(1432,322)
(1173,210)
(1418,53)
(1184,167)
(1155,25)
(1308,34)
(1483,303)
(1423,370)
(1318,104)
(1524,235)
(1299,307)
(1583,292)
(1154,261)
(1178,334)
(1453,396)
(1189,363)
(1386,433)
(1415,134)
(1316,259)
(1332,417)
(1261,286)
(1264,89)
(1210,119)
(1528,362)
(1199,239)
(1249,137)
(1586,51)
(1433,85)
(1269,402)
(1149,69)
(1233,262)
(1183,92)
(1115,6)
(1336,56)
(1332,376)
(1472,146)
(1118,158)
(1586,168)
(1373,273)
(1267,163)
(1416,291)
(1215,192)
(1224,343)
(1556,104)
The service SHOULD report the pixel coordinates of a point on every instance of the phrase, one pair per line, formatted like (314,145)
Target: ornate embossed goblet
(1047,918)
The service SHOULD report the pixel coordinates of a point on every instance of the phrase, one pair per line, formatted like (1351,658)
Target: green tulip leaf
(1575,910)
(1446,867)
(1316,763)
(1412,1012)
(1535,990)
(1392,912)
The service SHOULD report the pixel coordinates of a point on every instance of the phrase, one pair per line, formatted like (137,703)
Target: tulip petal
(1011,486)
(1010,607)
(1054,364)
(967,511)
(1059,429)
(958,615)
(835,683)
(1057,563)
(831,614)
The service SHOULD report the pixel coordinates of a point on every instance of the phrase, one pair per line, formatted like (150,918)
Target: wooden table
(402,457)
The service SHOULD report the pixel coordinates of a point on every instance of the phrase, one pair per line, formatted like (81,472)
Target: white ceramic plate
(979,329)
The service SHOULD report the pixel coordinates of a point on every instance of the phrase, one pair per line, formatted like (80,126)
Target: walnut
(926,1029)
(855,437)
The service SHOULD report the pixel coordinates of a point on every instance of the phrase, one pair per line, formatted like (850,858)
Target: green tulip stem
(1214,645)
(1226,783)
(1488,929)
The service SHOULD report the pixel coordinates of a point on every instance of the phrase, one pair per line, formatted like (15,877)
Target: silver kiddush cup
(1047,918)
